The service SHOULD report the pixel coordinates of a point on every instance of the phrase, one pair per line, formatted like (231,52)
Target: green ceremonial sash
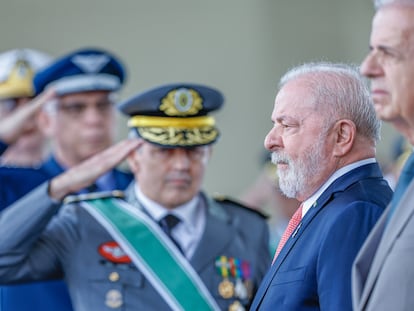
(153,253)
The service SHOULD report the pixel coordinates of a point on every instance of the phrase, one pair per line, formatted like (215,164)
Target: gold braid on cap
(182,123)
(179,137)
(170,131)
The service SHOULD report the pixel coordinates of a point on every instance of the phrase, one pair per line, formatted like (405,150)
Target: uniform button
(113,276)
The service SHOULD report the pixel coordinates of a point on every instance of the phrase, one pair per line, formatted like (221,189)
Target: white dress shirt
(189,230)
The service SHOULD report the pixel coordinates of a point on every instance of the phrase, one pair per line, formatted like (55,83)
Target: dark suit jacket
(39,296)
(313,270)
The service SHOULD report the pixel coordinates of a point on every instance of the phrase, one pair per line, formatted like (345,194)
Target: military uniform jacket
(15,182)
(67,245)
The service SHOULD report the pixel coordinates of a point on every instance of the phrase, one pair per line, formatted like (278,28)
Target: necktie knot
(168,223)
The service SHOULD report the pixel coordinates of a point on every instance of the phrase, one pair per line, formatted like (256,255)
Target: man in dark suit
(383,272)
(169,246)
(79,118)
(323,143)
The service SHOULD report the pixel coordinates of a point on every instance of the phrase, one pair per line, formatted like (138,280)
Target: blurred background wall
(241,47)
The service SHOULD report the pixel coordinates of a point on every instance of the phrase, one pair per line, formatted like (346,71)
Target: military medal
(236,306)
(236,272)
(226,287)
(245,267)
(113,299)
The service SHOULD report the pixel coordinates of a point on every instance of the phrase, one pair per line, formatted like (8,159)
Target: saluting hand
(12,126)
(85,173)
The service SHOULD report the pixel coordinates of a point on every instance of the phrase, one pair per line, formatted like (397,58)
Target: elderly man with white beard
(323,141)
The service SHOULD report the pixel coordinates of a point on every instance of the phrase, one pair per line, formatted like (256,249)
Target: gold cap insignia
(182,102)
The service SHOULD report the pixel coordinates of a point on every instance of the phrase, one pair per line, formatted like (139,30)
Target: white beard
(294,179)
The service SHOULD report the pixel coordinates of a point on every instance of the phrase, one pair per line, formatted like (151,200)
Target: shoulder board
(230,201)
(70,199)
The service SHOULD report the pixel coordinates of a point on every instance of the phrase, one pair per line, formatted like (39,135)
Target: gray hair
(381,3)
(340,92)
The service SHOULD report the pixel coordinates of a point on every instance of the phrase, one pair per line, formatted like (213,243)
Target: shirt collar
(308,203)
(187,212)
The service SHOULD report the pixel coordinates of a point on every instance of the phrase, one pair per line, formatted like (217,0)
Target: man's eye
(74,109)
(104,106)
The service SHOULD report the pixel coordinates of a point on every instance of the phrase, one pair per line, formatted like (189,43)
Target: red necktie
(293,223)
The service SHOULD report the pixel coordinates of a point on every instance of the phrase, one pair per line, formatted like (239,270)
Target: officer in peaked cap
(81,71)
(221,244)
(80,122)
(175,115)
(17,69)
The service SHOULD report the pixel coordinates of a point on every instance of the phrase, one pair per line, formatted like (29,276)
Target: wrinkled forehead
(296,93)
(394,26)
(395,16)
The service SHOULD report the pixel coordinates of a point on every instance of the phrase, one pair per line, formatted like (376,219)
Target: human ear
(133,162)
(345,131)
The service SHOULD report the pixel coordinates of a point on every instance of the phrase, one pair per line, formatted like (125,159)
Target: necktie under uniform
(292,225)
(406,176)
(167,224)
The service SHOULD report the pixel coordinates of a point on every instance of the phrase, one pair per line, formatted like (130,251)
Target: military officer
(79,119)
(17,69)
(168,246)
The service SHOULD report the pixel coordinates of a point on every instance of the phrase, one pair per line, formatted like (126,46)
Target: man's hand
(85,173)
(12,126)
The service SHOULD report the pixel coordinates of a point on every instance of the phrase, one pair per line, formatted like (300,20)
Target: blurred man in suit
(17,69)
(79,119)
(385,259)
(323,143)
(170,246)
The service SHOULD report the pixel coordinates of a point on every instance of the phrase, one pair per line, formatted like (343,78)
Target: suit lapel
(309,217)
(389,234)
(368,263)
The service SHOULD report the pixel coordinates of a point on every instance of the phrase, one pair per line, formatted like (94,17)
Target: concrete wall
(239,46)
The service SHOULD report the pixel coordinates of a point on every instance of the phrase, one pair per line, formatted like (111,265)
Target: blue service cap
(81,71)
(175,115)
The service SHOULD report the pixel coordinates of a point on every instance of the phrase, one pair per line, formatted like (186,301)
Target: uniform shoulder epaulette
(231,201)
(70,199)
